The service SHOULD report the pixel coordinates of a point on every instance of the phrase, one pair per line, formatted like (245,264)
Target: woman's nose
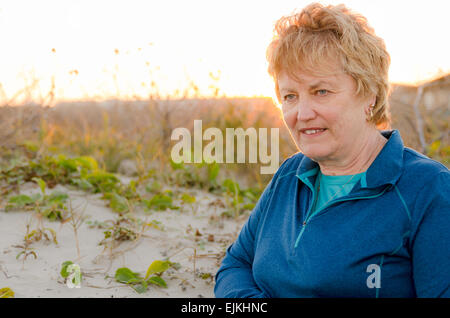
(305,110)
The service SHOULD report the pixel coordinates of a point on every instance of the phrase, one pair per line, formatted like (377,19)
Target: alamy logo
(74,278)
(214,151)
(374,279)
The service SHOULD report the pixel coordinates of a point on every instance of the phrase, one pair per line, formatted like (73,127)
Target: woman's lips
(312,132)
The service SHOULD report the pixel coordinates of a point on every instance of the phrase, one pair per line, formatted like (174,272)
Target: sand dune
(184,234)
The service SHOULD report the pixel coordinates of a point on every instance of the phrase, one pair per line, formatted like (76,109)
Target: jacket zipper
(308,218)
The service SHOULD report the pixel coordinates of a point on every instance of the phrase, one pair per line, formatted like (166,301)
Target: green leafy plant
(124,228)
(21,201)
(6,292)
(160,202)
(154,187)
(25,252)
(155,224)
(65,271)
(97,224)
(47,171)
(25,247)
(40,233)
(117,202)
(213,171)
(118,233)
(201,175)
(102,181)
(233,197)
(52,206)
(32,236)
(152,276)
(50,169)
(239,200)
(186,198)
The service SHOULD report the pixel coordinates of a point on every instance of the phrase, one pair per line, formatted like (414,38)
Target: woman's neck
(359,160)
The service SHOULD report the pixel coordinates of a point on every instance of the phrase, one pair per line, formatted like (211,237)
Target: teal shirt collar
(386,168)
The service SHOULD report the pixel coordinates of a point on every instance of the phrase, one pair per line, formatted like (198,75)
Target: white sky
(186,40)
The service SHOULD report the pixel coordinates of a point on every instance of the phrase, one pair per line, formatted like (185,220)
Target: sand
(182,235)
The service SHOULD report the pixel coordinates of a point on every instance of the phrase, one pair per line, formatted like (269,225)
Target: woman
(355,214)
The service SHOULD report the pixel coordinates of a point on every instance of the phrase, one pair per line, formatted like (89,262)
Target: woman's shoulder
(423,179)
(418,164)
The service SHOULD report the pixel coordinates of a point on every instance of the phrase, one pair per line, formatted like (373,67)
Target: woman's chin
(315,154)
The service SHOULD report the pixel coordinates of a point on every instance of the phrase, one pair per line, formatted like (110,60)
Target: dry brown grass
(114,131)
(140,131)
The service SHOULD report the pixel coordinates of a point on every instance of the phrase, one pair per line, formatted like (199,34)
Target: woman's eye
(321,92)
(289,97)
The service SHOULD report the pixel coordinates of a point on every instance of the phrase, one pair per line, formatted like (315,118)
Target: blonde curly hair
(312,39)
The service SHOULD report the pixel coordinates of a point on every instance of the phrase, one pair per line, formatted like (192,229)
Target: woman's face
(323,114)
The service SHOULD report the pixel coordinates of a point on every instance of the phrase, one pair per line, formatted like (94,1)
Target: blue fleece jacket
(389,237)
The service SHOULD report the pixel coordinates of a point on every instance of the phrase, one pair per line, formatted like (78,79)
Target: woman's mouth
(311,132)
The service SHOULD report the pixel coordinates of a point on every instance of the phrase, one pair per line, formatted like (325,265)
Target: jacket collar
(385,169)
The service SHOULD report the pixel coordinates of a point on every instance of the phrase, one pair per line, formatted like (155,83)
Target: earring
(370,115)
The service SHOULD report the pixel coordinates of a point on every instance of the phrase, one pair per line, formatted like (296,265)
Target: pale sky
(172,42)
